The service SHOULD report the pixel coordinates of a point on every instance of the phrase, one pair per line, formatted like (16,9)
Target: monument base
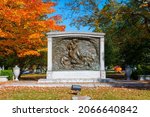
(74,76)
(58,80)
(81,80)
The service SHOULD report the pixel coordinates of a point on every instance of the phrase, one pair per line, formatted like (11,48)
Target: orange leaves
(47,8)
(36,35)
(57,17)
(23,27)
(20,3)
(28,53)
(145,5)
(3,34)
(52,26)
(118,69)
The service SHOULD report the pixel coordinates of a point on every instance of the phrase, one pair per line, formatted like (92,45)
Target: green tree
(126,24)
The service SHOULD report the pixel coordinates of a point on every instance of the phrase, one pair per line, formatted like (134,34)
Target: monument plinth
(75,57)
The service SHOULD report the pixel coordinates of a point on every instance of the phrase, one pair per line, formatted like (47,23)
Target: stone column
(49,59)
(102,59)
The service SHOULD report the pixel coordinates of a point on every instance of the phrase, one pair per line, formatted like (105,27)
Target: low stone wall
(144,77)
(3,78)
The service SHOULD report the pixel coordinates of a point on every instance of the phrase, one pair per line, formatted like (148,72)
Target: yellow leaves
(43,50)
(4,1)
(20,3)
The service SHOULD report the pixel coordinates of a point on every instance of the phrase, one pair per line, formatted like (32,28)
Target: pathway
(119,83)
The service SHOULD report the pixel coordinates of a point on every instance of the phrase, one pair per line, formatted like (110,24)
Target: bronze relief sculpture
(77,54)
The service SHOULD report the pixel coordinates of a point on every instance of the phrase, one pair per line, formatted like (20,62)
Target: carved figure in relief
(74,56)
(73,51)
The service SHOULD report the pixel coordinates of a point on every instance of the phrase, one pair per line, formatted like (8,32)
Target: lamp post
(16,71)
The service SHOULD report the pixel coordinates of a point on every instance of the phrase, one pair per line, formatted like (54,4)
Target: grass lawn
(101,93)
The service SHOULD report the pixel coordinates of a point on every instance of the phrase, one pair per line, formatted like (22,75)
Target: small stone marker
(81,98)
(3,78)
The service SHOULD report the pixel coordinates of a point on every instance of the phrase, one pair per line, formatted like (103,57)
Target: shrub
(144,70)
(8,73)
(134,75)
(141,70)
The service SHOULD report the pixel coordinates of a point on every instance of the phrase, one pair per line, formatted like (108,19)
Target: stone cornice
(75,34)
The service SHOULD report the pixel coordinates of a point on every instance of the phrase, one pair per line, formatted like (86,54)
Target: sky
(66,22)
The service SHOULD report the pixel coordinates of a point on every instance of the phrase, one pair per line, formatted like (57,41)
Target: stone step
(75,80)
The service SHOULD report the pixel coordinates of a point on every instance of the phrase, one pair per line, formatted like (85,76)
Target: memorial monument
(75,57)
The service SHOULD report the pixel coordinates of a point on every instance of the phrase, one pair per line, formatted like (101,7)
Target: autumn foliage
(23,26)
(118,69)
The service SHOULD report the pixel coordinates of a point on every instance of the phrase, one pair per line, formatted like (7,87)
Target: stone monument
(75,57)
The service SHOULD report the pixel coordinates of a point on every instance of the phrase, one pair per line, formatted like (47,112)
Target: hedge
(8,73)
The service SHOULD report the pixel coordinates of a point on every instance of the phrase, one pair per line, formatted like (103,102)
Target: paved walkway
(119,83)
